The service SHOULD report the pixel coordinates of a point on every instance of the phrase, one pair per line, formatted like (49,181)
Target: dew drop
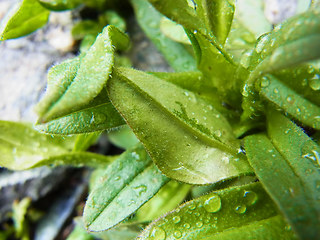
(276,91)
(218,133)
(304,82)
(212,204)
(199,224)
(314,83)
(140,189)
(265,82)
(176,219)
(157,233)
(192,206)
(177,234)
(290,99)
(241,209)
(186,225)
(250,197)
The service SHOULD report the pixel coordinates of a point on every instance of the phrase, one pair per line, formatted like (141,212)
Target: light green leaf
(290,101)
(19,218)
(84,141)
(217,16)
(60,5)
(185,136)
(25,17)
(85,27)
(168,198)
(123,137)
(22,147)
(224,214)
(288,174)
(175,53)
(173,31)
(127,183)
(90,119)
(91,76)
(79,233)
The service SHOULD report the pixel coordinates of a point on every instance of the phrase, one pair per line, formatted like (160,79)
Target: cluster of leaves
(237,110)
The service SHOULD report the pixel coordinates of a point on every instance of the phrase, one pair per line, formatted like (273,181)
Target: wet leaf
(25,17)
(290,101)
(90,73)
(175,53)
(288,169)
(217,16)
(224,214)
(201,134)
(127,183)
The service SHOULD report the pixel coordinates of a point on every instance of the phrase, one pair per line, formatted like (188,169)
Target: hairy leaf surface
(127,183)
(185,136)
(84,83)
(25,17)
(224,214)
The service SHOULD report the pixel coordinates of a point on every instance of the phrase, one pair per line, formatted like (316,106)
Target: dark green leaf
(85,27)
(25,17)
(126,185)
(224,214)
(177,128)
(60,5)
(175,53)
(90,74)
(288,174)
(291,102)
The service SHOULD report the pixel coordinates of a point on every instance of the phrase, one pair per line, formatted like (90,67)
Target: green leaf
(25,17)
(224,214)
(217,16)
(85,27)
(201,134)
(60,5)
(84,141)
(123,137)
(91,75)
(288,174)
(19,218)
(21,147)
(168,198)
(175,53)
(127,183)
(90,119)
(246,10)
(173,31)
(290,101)
(79,233)
(289,44)
(194,82)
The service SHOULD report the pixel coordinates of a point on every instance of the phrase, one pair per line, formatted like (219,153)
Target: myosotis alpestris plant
(238,108)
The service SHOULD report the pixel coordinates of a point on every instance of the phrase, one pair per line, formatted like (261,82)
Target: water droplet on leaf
(157,233)
(250,197)
(212,204)
(176,219)
(241,209)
